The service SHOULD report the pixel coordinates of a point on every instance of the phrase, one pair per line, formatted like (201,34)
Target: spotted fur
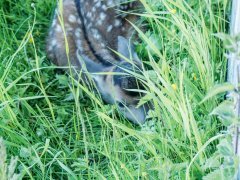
(92,30)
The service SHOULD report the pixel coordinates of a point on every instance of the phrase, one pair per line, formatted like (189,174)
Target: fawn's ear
(126,48)
(89,64)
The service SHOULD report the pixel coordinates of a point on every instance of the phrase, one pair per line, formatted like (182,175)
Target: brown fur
(108,39)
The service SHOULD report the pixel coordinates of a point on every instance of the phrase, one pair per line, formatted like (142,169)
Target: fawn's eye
(120,104)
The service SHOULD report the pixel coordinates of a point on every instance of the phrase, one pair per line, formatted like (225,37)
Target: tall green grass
(61,131)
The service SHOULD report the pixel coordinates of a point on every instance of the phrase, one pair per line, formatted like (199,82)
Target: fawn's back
(92,30)
(91,27)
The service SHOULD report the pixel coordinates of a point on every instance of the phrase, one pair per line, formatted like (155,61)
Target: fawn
(93,30)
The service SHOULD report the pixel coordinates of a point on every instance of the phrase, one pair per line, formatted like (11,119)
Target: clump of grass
(63,131)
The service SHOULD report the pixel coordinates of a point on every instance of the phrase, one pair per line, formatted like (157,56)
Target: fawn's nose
(136,115)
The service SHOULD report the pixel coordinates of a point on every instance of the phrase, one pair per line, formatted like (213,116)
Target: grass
(60,131)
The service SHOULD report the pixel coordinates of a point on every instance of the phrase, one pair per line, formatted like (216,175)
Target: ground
(59,128)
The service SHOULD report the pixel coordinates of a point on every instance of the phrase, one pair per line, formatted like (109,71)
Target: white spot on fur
(102,16)
(104,7)
(93,9)
(78,21)
(58,28)
(77,32)
(53,42)
(109,3)
(89,14)
(89,25)
(72,18)
(96,34)
(98,4)
(117,23)
(109,28)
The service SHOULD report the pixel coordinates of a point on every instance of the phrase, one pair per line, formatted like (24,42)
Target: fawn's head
(118,84)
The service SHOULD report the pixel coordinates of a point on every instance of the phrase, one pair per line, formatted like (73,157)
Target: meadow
(59,128)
